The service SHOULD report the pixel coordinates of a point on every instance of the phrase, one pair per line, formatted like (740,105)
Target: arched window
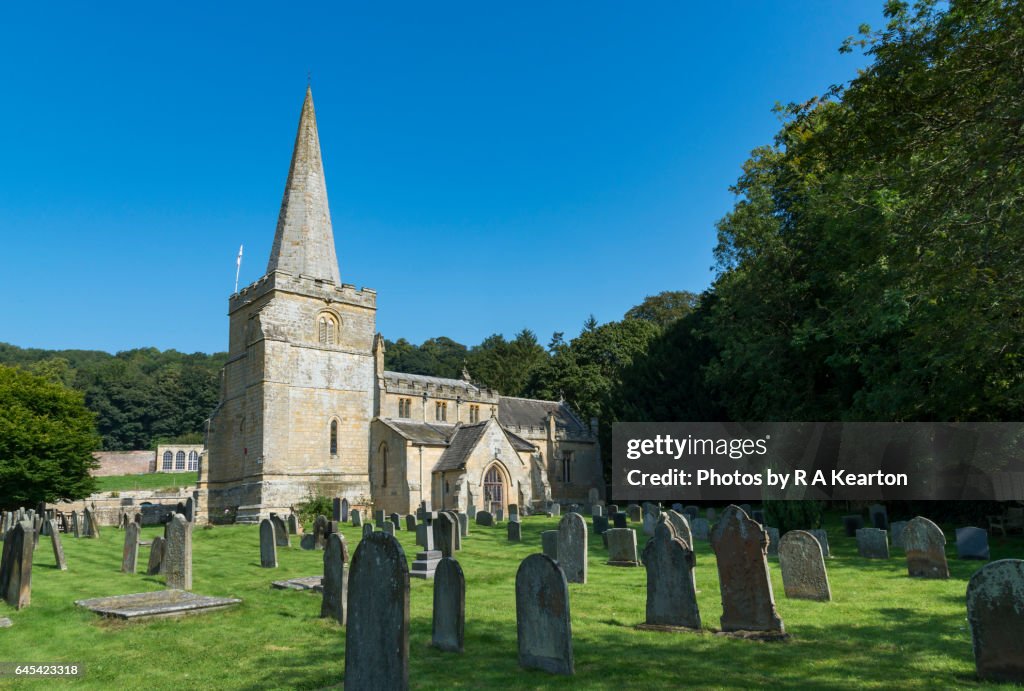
(384,465)
(494,487)
(327,329)
(179,461)
(193,460)
(567,466)
(441,411)
(168,460)
(334,437)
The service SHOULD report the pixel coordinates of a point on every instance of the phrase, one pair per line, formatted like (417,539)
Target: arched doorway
(495,486)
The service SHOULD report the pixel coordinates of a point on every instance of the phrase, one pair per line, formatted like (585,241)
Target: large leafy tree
(47,437)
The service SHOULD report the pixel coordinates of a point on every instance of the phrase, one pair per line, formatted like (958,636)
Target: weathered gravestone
(156,557)
(972,543)
(620,520)
(701,529)
(572,547)
(367,529)
(280,531)
(773,541)
(16,565)
(130,555)
(925,546)
(671,599)
(410,523)
(549,543)
(612,509)
(484,518)
(396,521)
(681,526)
(748,604)
(178,553)
(333,603)
(515,531)
(851,524)
(58,548)
(387,527)
(995,612)
(596,510)
(879,516)
(377,632)
(600,524)
(651,513)
(357,518)
(873,543)
(336,508)
(293,525)
(320,532)
(464,524)
(555,509)
(449,623)
(92,526)
(542,616)
(75,530)
(635,513)
(897,528)
(622,547)
(822,537)
(444,534)
(458,533)
(378,517)
(268,545)
(803,567)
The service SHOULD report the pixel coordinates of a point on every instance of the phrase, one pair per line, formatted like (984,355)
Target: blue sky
(489,166)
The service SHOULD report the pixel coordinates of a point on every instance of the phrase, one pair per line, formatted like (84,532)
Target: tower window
(441,411)
(327,329)
(567,466)
(334,437)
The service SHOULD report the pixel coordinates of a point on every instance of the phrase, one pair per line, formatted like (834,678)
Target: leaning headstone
(377,632)
(333,604)
(16,565)
(925,546)
(357,518)
(92,527)
(410,523)
(773,541)
(542,615)
(896,529)
(484,518)
(972,543)
(75,530)
(995,613)
(803,567)
(873,543)
(130,555)
(851,524)
(515,531)
(58,548)
(549,543)
(635,513)
(178,553)
(449,621)
(879,516)
(268,544)
(444,534)
(822,537)
(156,557)
(572,547)
(620,520)
(671,599)
(701,529)
(622,547)
(740,545)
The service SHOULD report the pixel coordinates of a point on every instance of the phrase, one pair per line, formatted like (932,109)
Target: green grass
(883,629)
(118,483)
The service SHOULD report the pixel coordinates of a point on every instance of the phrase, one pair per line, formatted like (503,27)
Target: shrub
(316,505)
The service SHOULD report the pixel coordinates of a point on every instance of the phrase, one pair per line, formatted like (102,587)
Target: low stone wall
(154,505)
(124,462)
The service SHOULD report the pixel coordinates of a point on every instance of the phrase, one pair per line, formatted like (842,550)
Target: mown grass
(882,630)
(119,483)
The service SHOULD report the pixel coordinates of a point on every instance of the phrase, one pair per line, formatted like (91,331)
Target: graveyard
(881,629)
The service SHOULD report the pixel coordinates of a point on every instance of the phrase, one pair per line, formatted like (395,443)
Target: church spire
(304,241)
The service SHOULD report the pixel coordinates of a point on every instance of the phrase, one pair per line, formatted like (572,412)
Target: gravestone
(543,625)
(333,604)
(572,547)
(555,509)
(499,514)
(681,526)
(549,543)
(367,529)
(293,524)
(396,521)
(75,530)
(178,553)
(822,537)
(612,510)
(596,510)
(515,531)
(593,496)
(671,599)
(650,520)
(458,532)
(879,516)
(410,523)
(280,531)
(710,514)
(925,546)
(897,528)
(421,534)
(513,512)
(851,524)
(740,544)
(306,542)
(484,518)
(471,510)
(701,529)
(635,513)
(387,527)
(377,632)
(873,543)
(268,545)
(130,555)
(378,517)
(773,541)
(619,520)
(344,510)
(600,524)
(156,557)
(464,524)
(622,547)
(803,567)
(995,613)
(972,543)
(190,510)
(444,534)
(336,508)
(16,565)
(58,548)
(449,622)
(357,518)
(320,532)
(691,512)
(92,527)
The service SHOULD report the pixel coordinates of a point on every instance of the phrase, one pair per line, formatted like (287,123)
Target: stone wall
(124,463)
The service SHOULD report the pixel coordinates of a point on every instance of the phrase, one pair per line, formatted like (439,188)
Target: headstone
(280,531)
(387,527)
(873,543)
(178,553)
(650,520)
(822,537)
(367,530)
(691,512)
(344,510)
(600,524)
(268,545)
(499,514)
(320,532)
(773,541)
(333,604)
(293,524)
(612,510)
(513,512)
(995,614)
(306,542)
(740,545)
(701,529)
(851,524)
(377,632)
(444,534)
(549,543)
(515,531)
(16,565)
(130,555)
(596,510)
(972,543)
(635,513)
(156,557)
(803,567)
(542,615)
(620,520)
(410,523)
(357,518)
(336,508)
(710,514)
(75,530)
(448,630)
(471,510)
(484,518)
(421,534)
(190,509)
(925,546)
(572,547)
(593,496)
(464,524)
(897,528)
(396,521)
(92,527)
(879,516)
(555,508)
(458,532)
(622,547)
(671,599)
(378,517)
(681,526)
(58,548)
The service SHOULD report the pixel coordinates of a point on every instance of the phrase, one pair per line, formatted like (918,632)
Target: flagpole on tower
(238,266)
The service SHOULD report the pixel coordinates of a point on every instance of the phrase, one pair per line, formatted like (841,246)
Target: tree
(664,308)
(507,366)
(47,437)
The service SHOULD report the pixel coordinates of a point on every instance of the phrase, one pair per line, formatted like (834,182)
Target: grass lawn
(882,630)
(117,483)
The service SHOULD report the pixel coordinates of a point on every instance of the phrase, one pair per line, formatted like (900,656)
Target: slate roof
(530,412)
(421,432)
(436,381)
(461,446)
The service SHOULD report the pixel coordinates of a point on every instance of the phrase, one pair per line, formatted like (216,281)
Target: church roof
(421,432)
(530,412)
(436,381)
(304,241)
(461,446)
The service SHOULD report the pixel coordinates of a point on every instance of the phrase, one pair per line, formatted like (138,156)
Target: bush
(793,515)
(316,505)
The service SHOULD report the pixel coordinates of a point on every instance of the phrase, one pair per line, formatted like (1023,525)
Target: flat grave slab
(156,604)
(304,583)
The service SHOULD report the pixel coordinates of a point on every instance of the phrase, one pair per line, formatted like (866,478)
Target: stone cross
(803,567)
(268,544)
(333,605)
(740,545)
(178,553)
(130,555)
(995,614)
(572,547)
(543,625)
(449,623)
(671,599)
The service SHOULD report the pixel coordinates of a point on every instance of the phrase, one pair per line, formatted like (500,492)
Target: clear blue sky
(490,166)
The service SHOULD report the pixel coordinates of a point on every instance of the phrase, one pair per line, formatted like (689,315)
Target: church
(308,409)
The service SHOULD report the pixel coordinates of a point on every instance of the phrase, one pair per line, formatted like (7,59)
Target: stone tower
(297,392)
